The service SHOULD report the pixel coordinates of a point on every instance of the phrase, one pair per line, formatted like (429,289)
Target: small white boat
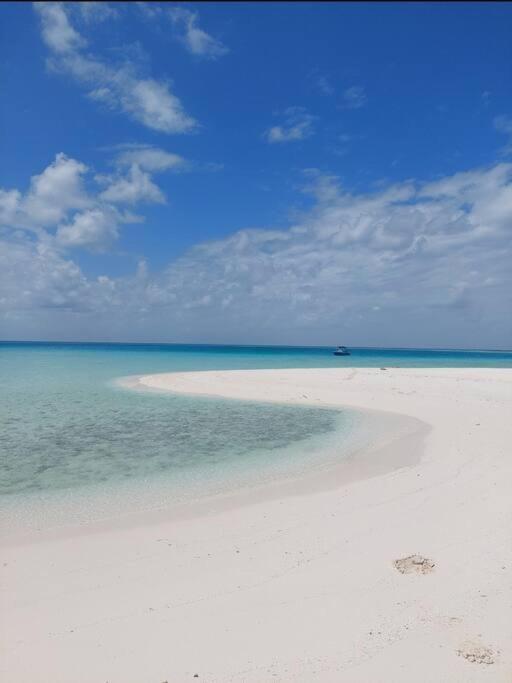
(341,351)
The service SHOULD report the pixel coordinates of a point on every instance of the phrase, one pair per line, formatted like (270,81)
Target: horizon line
(260,346)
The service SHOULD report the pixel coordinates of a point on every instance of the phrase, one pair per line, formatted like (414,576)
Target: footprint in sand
(476,653)
(414,564)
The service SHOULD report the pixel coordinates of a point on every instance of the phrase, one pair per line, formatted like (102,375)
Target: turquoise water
(67,429)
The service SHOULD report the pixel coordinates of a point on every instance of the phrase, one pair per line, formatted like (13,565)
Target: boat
(341,351)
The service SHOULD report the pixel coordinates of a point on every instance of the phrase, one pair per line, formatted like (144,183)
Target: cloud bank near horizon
(415,263)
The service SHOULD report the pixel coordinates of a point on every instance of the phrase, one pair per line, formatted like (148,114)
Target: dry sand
(401,577)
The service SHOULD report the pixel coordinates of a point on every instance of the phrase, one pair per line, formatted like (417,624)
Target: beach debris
(476,653)
(414,564)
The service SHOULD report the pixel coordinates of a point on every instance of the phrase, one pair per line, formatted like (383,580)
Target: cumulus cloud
(298,125)
(136,186)
(195,40)
(413,263)
(97,227)
(59,188)
(68,205)
(33,276)
(119,87)
(10,201)
(52,193)
(354,97)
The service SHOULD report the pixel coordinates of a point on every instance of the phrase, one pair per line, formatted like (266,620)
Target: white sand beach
(400,572)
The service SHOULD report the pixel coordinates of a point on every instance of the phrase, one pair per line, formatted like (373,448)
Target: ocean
(76,447)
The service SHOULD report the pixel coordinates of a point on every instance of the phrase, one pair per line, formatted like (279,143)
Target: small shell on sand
(414,564)
(478,654)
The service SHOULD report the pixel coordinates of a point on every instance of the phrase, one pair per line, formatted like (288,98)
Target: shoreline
(380,445)
(296,587)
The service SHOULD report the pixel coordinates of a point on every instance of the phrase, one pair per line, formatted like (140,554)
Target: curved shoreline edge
(391,440)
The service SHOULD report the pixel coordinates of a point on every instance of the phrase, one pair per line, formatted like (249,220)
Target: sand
(398,575)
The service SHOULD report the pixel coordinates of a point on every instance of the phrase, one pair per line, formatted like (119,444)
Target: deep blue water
(204,356)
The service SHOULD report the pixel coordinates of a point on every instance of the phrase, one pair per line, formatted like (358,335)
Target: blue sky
(278,173)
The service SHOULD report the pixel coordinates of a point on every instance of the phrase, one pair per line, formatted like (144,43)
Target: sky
(275,173)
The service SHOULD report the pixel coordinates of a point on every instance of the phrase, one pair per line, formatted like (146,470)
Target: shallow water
(74,441)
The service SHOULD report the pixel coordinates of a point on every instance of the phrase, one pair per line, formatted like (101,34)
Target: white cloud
(354,97)
(414,263)
(55,191)
(196,41)
(96,227)
(151,159)
(51,195)
(298,125)
(9,205)
(136,186)
(34,276)
(152,103)
(63,203)
(119,87)
(56,28)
